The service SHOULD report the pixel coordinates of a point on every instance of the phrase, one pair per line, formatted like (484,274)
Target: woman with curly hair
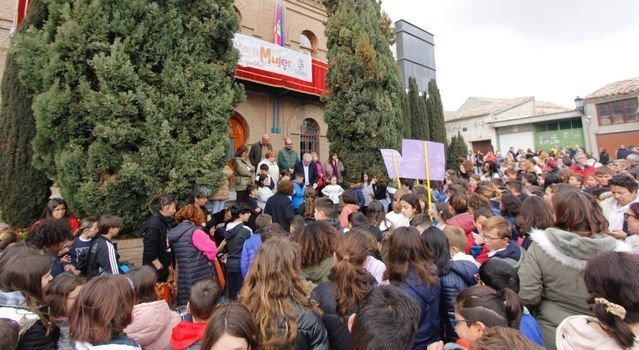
(316,243)
(193,250)
(278,300)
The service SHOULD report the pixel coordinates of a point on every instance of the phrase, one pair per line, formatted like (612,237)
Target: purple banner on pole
(391,165)
(413,163)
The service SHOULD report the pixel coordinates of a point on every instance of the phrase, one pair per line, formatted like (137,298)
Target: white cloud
(553,50)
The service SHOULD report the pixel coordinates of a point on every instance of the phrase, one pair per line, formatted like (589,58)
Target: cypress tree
(418,113)
(456,149)
(23,189)
(364,108)
(408,132)
(134,98)
(436,113)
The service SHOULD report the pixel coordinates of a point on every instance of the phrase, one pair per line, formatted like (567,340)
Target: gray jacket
(551,275)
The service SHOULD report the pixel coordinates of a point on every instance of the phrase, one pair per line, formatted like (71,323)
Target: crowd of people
(518,251)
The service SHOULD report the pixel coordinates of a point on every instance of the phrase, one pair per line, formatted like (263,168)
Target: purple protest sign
(413,164)
(393,161)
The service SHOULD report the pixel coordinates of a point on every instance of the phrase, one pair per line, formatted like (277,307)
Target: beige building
(8,14)
(612,116)
(279,111)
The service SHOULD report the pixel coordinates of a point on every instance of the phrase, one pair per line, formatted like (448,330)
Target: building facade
(611,116)
(414,50)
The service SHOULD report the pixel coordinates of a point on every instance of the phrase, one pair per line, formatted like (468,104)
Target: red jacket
(585,172)
(187,334)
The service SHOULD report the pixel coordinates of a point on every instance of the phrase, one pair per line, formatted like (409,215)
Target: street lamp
(579,104)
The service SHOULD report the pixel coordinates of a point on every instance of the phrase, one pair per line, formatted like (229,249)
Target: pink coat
(152,325)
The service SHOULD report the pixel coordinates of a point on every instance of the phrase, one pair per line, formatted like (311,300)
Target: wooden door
(239,133)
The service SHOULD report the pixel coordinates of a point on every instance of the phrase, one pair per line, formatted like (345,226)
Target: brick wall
(130,250)
(7,14)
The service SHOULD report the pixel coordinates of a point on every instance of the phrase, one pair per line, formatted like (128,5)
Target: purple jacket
(249,250)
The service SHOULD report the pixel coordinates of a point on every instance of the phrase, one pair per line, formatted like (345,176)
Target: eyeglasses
(454,322)
(488,238)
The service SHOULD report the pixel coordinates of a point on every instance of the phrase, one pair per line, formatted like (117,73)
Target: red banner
(21,11)
(318,87)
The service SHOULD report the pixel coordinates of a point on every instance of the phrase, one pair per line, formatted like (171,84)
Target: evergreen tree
(418,113)
(408,132)
(435,113)
(364,108)
(23,189)
(134,98)
(456,149)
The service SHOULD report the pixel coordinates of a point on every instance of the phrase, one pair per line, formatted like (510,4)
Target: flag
(278,29)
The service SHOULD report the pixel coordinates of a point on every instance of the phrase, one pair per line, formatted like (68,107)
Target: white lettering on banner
(256,53)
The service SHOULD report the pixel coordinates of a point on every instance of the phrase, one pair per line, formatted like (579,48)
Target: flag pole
(430,197)
(399,184)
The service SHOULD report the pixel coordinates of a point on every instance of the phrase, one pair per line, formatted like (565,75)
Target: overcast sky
(551,49)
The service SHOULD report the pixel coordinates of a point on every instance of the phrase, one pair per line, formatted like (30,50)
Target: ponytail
(159,201)
(614,326)
(512,306)
(351,283)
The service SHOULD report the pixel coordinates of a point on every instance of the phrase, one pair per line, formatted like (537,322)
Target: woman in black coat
(155,231)
(279,205)
(454,276)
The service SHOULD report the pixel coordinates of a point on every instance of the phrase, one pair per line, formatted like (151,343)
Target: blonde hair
(272,291)
(501,225)
(456,237)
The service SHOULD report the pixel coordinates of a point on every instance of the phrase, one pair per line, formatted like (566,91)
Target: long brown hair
(535,212)
(21,270)
(103,309)
(57,292)
(316,243)
(407,252)
(613,276)
(143,279)
(578,212)
(272,289)
(376,214)
(235,320)
(351,283)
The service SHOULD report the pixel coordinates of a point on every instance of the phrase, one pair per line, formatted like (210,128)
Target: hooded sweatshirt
(152,324)
(319,273)
(187,334)
(236,234)
(551,275)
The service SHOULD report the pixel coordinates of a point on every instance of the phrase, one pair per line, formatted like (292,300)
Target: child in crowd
(264,170)
(350,206)
(297,225)
(333,190)
(103,257)
(252,204)
(152,319)
(576,180)
(496,235)
(235,236)
(204,298)
(264,191)
(457,241)
(82,243)
(591,182)
(60,295)
(298,194)
(476,244)
(395,216)
(253,243)
(480,308)
(356,186)
(325,212)
(603,175)
(473,181)
(103,309)
(231,327)
(498,274)
(411,206)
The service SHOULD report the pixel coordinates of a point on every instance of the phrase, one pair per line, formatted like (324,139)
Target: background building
(414,50)
(611,115)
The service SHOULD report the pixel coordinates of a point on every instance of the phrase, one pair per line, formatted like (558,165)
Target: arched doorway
(239,133)
(309,136)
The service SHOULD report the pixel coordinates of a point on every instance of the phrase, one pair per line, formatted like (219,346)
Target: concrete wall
(477,129)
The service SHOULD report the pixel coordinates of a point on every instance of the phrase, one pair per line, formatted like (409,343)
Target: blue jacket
(250,248)
(428,298)
(511,252)
(361,201)
(298,196)
(530,329)
(461,276)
